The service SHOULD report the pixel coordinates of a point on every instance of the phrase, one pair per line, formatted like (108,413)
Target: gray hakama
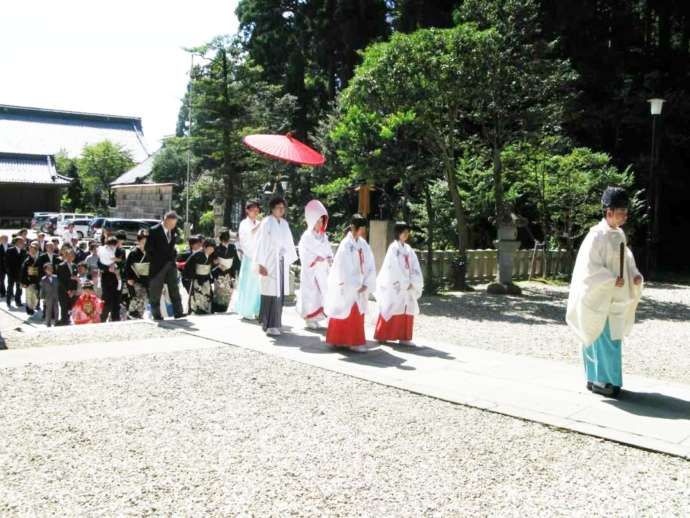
(271,312)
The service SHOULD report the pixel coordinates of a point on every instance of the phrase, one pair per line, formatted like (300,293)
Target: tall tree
(99,165)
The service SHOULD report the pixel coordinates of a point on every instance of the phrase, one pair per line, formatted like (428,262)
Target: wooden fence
(481,264)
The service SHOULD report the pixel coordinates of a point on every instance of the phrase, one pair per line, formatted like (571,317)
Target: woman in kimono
(275,252)
(198,269)
(604,293)
(31,278)
(351,279)
(248,300)
(226,266)
(399,285)
(137,275)
(316,257)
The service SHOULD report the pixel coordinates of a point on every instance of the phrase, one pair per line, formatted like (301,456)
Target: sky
(121,57)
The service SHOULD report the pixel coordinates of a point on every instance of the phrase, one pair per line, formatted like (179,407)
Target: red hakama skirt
(398,327)
(348,331)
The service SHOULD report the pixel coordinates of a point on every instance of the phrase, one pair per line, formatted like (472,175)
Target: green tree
(72,199)
(99,165)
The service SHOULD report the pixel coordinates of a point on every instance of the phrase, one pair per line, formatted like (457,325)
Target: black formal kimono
(198,270)
(224,273)
(137,269)
(31,278)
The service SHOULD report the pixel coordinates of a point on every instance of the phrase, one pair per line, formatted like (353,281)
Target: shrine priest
(351,279)
(604,293)
(275,252)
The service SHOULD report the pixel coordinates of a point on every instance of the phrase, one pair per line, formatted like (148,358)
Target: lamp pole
(189,148)
(653,197)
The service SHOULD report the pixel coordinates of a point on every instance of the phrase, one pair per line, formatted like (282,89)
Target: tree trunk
(501,215)
(430,283)
(461,224)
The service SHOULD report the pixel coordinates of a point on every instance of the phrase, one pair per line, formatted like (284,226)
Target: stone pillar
(380,236)
(506,245)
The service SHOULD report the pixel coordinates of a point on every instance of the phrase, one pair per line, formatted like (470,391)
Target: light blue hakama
(248,301)
(603,359)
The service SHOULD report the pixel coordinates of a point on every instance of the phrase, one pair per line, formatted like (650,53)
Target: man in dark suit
(67,286)
(14,257)
(4,246)
(160,247)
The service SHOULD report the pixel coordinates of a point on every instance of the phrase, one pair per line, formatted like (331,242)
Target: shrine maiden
(399,285)
(275,252)
(316,257)
(604,293)
(248,300)
(350,280)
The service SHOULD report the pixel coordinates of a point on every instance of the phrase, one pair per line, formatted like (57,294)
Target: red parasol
(284,147)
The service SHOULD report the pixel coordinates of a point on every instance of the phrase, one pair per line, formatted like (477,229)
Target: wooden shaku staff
(621,259)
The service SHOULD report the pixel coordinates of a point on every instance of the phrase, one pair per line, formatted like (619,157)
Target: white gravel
(228,431)
(22,337)
(534,325)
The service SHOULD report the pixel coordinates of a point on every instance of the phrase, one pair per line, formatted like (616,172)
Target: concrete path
(650,414)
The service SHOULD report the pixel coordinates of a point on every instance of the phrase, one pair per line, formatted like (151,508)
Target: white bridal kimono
(594,297)
(353,267)
(400,269)
(274,241)
(313,278)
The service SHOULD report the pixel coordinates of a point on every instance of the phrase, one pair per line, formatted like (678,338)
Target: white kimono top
(247,234)
(274,240)
(400,282)
(594,297)
(353,267)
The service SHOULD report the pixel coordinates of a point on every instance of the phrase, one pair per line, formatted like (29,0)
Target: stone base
(497,288)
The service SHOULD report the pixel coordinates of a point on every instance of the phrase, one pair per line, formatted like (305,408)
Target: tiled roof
(46,132)
(138,174)
(33,169)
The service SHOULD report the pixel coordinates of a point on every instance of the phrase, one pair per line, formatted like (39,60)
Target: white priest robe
(316,256)
(353,267)
(594,297)
(273,242)
(400,282)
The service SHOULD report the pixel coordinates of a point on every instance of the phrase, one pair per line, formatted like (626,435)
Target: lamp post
(189,149)
(653,197)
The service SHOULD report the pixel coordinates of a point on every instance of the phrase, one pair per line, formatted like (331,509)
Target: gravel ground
(533,325)
(40,336)
(232,432)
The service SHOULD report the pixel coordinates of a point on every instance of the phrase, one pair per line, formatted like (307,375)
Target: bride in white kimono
(351,279)
(275,252)
(399,285)
(316,257)
(604,293)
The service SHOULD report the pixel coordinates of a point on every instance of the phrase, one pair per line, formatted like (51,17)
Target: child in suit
(49,294)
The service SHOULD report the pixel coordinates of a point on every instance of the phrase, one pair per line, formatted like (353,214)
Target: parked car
(56,224)
(130,227)
(39,218)
(81,226)
(95,225)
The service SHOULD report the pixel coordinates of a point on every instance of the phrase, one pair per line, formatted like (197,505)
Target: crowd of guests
(73,281)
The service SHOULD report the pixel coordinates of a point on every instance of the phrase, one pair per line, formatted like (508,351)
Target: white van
(64,217)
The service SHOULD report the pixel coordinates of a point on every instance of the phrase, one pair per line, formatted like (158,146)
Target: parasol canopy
(284,147)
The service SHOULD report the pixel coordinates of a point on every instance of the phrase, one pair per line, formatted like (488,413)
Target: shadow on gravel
(177,324)
(652,404)
(529,308)
(650,309)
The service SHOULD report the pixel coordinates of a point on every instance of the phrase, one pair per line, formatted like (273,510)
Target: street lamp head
(656,105)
